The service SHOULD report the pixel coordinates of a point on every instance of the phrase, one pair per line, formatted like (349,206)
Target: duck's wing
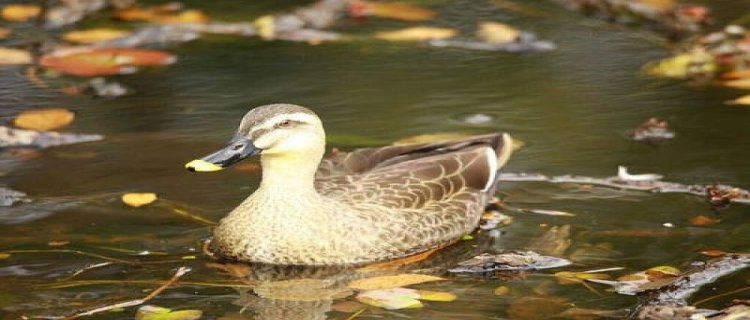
(417,176)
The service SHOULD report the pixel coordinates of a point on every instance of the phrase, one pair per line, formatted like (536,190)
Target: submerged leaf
(392,299)
(10,56)
(416,34)
(94,35)
(150,312)
(385,282)
(20,12)
(436,295)
(565,277)
(44,119)
(138,199)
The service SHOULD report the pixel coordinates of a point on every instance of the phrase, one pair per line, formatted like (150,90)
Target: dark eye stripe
(287,123)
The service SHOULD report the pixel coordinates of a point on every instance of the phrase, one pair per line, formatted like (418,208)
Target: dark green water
(572,107)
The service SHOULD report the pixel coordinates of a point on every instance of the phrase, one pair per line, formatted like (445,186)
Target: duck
(350,208)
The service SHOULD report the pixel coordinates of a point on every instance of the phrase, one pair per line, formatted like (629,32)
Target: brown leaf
(94,35)
(416,34)
(44,119)
(736,74)
(103,61)
(165,14)
(10,56)
(138,199)
(20,12)
(703,221)
(58,243)
(496,32)
(715,253)
(384,282)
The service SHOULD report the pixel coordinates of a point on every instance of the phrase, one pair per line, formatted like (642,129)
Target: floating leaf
(138,199)
(20,12)
(743,101)
(4,255)
(736,74)
(10,56)
(565,277)
(715,253)
(501,291)
(44,119)
(416,34)
(385,282)
(167,14)
(436,295)
(392,299)
(703,221)
(104,61)
(496,32)
(94,35)
(150,312)
(58,243)
(737,84)
(662,272)
(397,10)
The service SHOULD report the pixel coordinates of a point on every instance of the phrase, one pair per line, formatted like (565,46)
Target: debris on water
(100,87)
(509,261)
(11,137)
(9,197)
(652,130)
(668,225)
(527,43)
(44,119)
(622,174)
(477,119)
(493,219)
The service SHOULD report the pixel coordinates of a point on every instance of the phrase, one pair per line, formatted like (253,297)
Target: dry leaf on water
(737,84)
(397,10)
(150,312)
(94,35)
(385,282)
(416,34)
(58,243)
(402,298)
(741,101)
(167,14)
(138,199)
(495,32)
(10,56)
(703,221)
(44,119)
(94,62)
(20,12)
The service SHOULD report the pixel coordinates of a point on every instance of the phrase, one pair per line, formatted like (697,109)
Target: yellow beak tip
(202,166)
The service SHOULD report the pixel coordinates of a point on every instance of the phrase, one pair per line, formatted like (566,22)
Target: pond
(572,107)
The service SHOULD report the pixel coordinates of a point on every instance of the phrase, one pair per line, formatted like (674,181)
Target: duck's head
(283,130)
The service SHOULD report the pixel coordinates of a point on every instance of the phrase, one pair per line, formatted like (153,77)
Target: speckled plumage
(364,206)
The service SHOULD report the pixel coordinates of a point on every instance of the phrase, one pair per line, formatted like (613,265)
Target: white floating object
(622,173)
(668,225)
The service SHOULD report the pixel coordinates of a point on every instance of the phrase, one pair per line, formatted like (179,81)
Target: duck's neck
(290,174)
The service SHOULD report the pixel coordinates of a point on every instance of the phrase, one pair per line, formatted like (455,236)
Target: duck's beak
(237,149)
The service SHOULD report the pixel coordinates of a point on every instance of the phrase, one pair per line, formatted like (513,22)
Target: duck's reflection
(307,293)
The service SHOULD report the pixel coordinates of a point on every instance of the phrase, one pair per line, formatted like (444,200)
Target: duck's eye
(284,124)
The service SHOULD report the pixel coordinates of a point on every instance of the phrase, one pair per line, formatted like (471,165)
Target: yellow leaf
(14,56)
(501,291)
(741,101)
(392,299)
(436,295)
(495,32)
(20,12)
(663,272)
(94,35)
(416,34)
(400,11)
(44,119)
(384,282)
(265,27)
(738,84)
(138,199)
(567,277)
(4,255)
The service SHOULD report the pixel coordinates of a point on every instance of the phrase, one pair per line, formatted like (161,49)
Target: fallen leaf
(138,199)
(20,12)
(737,84)
(391,299)
(568,277)
(398,10)
(385,282)
(103,61)
(58,243)
(715,253)
(44,119)
(660,272)
(416,34)
(4,255)
(4,32)
(150,312)
(736,74)
(703,221)
(265,26)
(501,291)
(94,35)
(10,56)
(742,101)
(496,32)
(166,14)
(441,296)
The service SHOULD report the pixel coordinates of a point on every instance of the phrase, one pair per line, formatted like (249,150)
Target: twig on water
(180,272)
(86,268)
